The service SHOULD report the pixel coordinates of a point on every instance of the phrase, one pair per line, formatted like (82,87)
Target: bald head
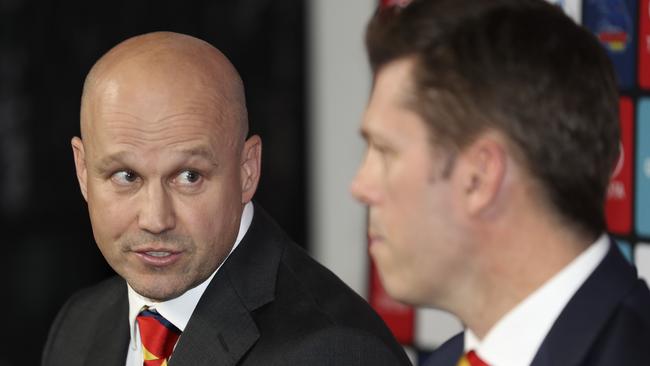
(166,63)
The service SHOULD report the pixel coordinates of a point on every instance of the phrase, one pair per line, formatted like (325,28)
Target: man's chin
(158,292)
(395,287)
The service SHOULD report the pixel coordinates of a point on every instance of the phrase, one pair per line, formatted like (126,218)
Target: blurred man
(205,277)
(492,131)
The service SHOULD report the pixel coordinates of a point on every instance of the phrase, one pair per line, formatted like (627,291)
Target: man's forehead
(392,93)
(158,69)
(398,71)
(151,120)
(145,99)
(140,107)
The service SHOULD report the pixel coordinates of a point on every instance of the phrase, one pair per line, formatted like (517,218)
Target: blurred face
(165,179)
(411,212)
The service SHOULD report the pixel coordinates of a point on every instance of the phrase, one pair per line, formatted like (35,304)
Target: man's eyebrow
(364,134)
(200,151)
(372,137)
(124,156)
(106,161)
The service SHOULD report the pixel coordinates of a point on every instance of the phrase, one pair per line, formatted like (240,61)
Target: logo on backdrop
(616,189)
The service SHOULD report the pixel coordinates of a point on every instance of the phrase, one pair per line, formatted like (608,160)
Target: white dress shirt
(179,310)
(516,337)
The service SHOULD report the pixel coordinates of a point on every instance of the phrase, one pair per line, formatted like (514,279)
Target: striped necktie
(471,359)
(158,337)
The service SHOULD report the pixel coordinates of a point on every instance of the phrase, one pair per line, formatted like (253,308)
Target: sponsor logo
(615,24)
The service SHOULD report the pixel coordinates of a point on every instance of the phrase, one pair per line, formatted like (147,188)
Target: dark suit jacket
(606,322)
(270,304)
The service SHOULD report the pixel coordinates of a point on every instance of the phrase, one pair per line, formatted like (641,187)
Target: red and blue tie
(158,337)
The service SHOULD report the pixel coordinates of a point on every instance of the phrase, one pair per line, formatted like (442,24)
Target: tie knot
(158,337)
(471,359)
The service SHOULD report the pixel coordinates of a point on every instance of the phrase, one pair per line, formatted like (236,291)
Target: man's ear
(80,165)
(250,167)
(484,164)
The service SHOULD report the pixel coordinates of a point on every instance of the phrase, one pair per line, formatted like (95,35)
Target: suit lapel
(448,353)
(109,346)
(219,332)
(222,330)
(581,321)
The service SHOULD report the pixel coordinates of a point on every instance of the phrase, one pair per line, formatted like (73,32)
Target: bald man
(205,276)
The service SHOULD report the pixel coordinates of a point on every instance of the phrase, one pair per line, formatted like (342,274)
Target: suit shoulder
(321,304)
(85,302)
(322,288)
(103,291)
(341,346)
(633,313)
(78,320)
(294,299)
(635,310)
(624,338)
(638,301)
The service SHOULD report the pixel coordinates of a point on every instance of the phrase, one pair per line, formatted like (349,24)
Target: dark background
(46,49)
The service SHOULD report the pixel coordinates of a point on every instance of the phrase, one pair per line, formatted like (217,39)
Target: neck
(512,261)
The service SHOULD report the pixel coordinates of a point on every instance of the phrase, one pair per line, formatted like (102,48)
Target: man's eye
(384,151)
(188,177)
(124,177)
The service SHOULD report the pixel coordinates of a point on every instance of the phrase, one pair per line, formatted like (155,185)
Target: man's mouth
(157,257)
(158,254)
(374,238)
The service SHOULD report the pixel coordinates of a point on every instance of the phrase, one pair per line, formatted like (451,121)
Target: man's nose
(362,184)
(157,210)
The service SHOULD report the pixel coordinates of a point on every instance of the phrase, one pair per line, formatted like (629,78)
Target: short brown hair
(521,67)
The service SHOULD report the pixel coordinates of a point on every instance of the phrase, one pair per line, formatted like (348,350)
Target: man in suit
(492,132)
(205,276)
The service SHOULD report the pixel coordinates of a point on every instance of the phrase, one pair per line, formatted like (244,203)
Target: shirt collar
(516,337)
(179,310)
